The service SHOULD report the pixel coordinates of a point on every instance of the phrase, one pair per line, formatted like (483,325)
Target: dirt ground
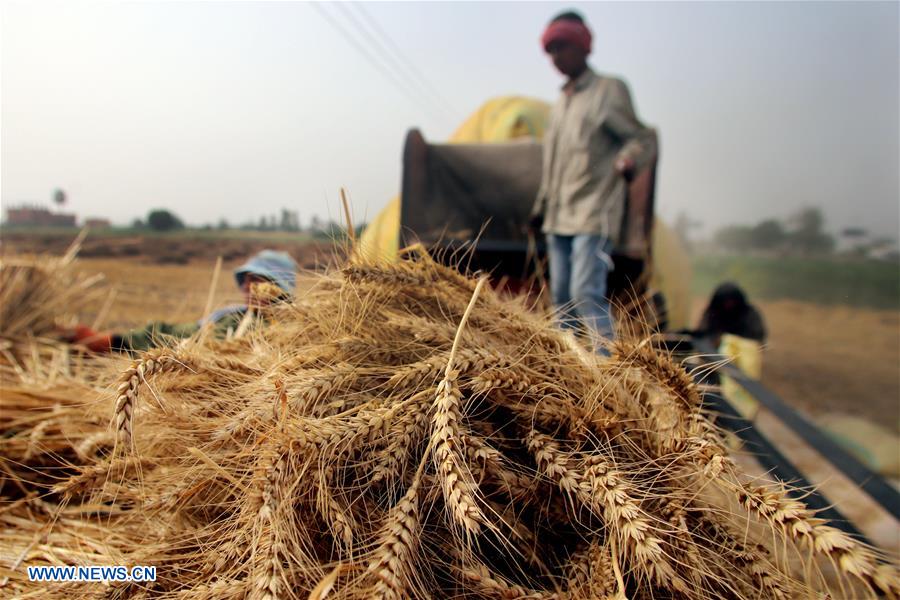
(835,359)
(147,292)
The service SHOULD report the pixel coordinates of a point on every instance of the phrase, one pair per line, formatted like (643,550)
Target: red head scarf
(566,30)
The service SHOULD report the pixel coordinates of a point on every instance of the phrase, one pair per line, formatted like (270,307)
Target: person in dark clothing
(729,312)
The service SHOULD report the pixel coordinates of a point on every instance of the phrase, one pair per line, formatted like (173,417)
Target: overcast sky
(236,109)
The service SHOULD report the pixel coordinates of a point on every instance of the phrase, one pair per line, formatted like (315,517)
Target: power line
(397,60)
(366,55)
(392,62)
(411,68)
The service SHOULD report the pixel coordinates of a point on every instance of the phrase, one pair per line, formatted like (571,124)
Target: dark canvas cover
(454,192)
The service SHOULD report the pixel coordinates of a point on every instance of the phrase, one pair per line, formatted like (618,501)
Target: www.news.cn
(93,573)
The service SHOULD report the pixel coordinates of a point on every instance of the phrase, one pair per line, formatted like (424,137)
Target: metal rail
(870,482)
(773,461)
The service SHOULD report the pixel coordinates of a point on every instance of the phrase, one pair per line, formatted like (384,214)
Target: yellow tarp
(510,117)
(380,239)
(746,355)
(503,119)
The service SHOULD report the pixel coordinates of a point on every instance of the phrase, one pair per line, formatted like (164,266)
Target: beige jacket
(580,191)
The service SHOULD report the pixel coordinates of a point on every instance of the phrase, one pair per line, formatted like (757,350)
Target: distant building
(886,250)
(38,216)
(97,223)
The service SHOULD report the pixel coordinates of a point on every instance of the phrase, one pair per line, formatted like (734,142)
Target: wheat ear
(446,438)
(153,362)
(393,560)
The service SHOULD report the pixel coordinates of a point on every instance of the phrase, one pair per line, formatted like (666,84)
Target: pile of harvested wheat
(44,424)
(35,292)
(37,295)
(401,431)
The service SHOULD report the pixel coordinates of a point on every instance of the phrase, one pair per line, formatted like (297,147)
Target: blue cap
(277,267)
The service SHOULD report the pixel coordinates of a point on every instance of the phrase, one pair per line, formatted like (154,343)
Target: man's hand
(625,167)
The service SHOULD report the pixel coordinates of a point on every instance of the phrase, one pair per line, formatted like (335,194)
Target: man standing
(593,146)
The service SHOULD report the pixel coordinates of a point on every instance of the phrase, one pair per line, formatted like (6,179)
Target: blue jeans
(579,265)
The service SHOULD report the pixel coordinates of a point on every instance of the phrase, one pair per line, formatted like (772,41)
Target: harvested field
(828,359)
(402,432)
(176,248)
(149,292)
